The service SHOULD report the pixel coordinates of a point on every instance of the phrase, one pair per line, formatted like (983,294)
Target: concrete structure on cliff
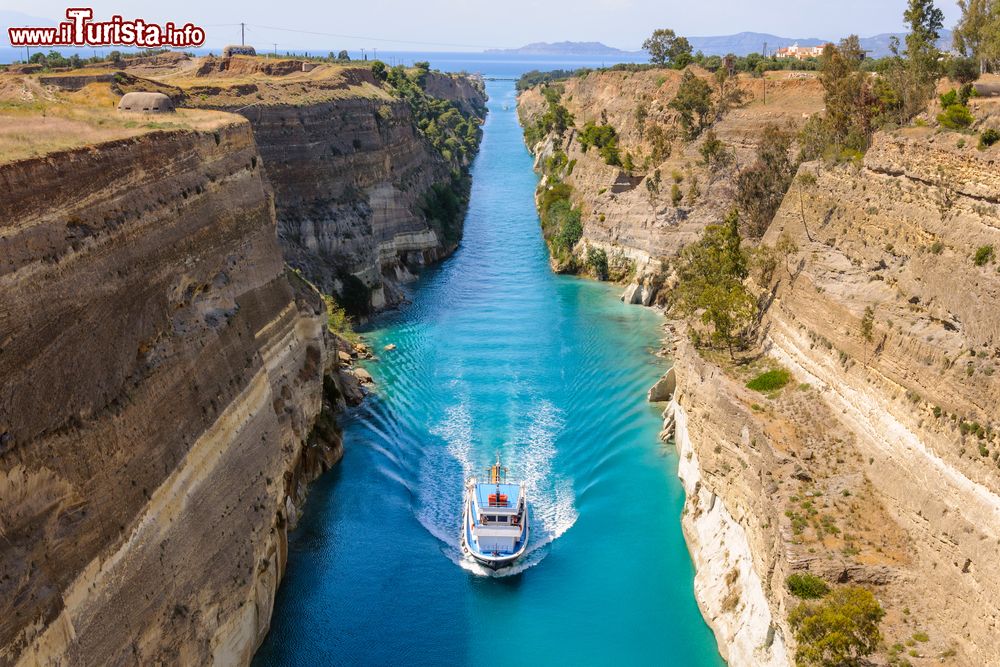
(146,103)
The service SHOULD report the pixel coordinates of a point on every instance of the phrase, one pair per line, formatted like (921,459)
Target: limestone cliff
(357,181)
(877,463)
(161,378)
(169,386)
(907,235)
(631,212)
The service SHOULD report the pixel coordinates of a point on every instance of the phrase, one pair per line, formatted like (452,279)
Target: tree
(343,55)
(839,630)
(761,187)
(693,105)
(716,155)
(786,247)
(851,102)
(711,274)
(379,71)
(977,34)
(731,95)
(597,261)
(665,48)
(925,22)
(604,138)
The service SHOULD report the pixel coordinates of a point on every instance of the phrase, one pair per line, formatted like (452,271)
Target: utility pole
(275,50)
(763,75)
(375,51)
(243,41)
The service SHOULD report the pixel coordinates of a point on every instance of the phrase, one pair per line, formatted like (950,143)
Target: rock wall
(162,377)
(728,583)
(730,519)
(349,176)
(899,235)
(622,213)
(351,169)
(878,463)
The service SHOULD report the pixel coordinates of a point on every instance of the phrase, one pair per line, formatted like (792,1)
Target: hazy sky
(442,24)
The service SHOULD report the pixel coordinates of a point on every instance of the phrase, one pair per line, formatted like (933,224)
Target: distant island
(565,49)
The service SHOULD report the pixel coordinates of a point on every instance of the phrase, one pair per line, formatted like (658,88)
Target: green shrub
(604,138)
(807,586)
(983,255)
(597,261)
(988,138)
(956,117)
(839,630)
(770,381)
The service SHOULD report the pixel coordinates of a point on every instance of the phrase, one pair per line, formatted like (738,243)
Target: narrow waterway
(498,354)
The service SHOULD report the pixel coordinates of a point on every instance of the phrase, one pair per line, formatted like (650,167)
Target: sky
(453,25)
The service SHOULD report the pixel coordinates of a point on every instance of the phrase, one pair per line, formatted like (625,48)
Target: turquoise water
(498,354)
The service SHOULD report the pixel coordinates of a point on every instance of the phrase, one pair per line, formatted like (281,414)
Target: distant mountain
(565,49)
(745,43)
(11,19)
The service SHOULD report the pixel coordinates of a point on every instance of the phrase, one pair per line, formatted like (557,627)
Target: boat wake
(530,447)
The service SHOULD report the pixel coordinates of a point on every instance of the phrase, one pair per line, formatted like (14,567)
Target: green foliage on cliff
(693,105)
(841,629)
(983,255)
(556,118)
(535,77)
(604,138)
(988,137)
(444,205)
(597,262)
(562,226)
(454,134)
(772,380)
(761,187)
(806,586)
(711,287)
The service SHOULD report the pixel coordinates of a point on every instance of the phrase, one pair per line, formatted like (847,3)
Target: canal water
(497,354)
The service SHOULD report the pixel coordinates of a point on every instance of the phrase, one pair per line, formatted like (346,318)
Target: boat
(495,519)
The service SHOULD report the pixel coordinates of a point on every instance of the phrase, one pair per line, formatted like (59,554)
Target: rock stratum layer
(622,213)
(169,386)
(351,170)
(161,379)
(878,463)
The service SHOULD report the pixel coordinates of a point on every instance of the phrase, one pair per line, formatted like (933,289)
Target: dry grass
(32,125)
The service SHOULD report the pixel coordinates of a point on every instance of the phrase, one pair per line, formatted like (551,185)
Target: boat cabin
(498,510)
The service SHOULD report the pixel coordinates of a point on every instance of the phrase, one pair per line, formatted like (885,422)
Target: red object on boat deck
(500,502)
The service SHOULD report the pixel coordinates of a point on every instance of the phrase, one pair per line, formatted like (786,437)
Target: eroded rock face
(162,376)
(899,235)
(632,215)
(352,174)
(349,177)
